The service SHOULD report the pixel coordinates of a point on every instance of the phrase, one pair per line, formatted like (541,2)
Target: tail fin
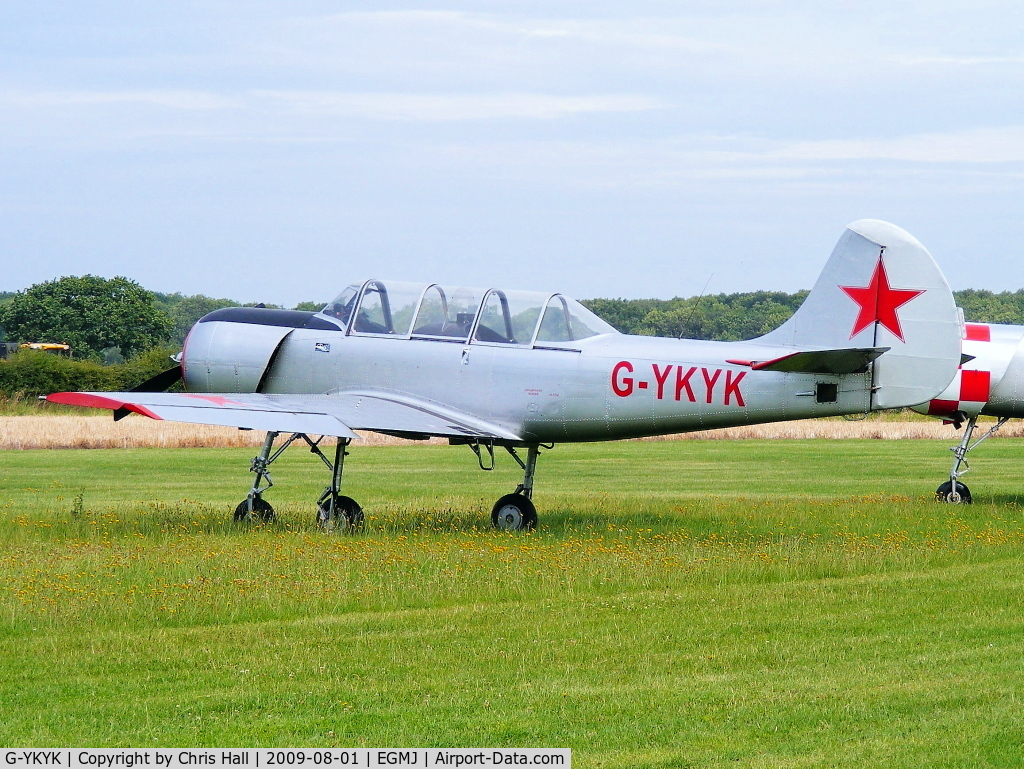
(882,289)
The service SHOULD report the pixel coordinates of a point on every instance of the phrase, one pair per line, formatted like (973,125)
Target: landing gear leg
(953,491)
(335,511)
(515,511)
(254,508)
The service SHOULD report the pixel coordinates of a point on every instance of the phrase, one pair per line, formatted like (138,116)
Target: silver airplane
(990,382)
(524,370)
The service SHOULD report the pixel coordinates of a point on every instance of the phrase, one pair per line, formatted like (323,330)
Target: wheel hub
(510,518)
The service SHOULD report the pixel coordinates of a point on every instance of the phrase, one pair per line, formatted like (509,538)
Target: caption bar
(262,758)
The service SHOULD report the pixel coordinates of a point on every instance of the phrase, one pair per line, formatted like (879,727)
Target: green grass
(720,603)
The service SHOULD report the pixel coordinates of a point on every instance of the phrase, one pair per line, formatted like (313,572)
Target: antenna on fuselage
(693,309)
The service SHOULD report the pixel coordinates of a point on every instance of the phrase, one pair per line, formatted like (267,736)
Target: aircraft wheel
(345,509)
(945,493)
(262,512)
(514,512)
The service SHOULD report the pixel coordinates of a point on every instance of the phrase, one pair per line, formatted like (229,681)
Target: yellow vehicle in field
(45,347)
(9,348)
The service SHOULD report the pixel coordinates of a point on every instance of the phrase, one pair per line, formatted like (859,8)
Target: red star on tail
(879,302)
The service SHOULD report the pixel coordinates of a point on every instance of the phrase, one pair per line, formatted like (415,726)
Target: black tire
(345,509)
(262,512)
(514,512)
(945,493)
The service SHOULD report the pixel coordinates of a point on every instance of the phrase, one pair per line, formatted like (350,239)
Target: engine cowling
(232,349)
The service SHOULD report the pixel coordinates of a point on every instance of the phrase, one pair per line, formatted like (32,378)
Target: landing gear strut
(515,511)
(254,508)
(334,511)
(953,491)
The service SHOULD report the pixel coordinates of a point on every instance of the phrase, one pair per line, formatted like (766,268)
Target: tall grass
(87,429)
(19,404)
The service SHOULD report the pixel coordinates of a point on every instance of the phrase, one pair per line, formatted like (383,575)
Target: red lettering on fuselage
(709,381)
(660,377)
(624,386)
(732,387)
(683,383)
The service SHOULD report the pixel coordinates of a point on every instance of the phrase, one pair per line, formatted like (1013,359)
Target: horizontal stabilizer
(338,414)
(852,360)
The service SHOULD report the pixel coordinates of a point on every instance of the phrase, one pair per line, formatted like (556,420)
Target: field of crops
(691,603)
(55,428)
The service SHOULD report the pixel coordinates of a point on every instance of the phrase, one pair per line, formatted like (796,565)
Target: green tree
(724,317)
(626,315)
(30,373)
(986,307)
(184,311)
(309,306)
(89,313)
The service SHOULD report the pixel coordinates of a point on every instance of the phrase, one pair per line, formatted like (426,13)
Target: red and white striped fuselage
(990,381)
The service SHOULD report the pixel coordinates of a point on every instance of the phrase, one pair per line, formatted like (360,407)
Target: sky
(276,152)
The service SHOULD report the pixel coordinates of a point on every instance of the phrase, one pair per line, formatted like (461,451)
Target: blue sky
(277,151)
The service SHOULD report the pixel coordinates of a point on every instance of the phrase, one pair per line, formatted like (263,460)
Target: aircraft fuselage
(604,387)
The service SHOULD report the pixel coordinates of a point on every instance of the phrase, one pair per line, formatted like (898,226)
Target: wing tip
(99,401)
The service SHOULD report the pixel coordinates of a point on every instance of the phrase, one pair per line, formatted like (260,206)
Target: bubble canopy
(398,309)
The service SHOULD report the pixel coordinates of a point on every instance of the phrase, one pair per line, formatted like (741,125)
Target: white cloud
(441,107)
(961,61)
(379,106)
(979,145)
(182,100)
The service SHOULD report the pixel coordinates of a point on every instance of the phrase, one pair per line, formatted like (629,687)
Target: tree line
(121,334)
(734,317)
(106,321)
(722,317)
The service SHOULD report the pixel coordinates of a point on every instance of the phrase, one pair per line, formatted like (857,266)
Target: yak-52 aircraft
(523,370)
(990,382)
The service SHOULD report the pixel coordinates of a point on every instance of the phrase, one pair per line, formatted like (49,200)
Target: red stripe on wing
(99,402)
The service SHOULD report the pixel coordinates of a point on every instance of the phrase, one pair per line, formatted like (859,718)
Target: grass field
(692,603)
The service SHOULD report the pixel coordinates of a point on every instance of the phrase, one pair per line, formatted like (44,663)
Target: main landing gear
(335,512)
(515,511)
(953,491)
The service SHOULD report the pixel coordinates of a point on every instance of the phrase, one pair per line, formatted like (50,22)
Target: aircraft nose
(229,350)
(229,357)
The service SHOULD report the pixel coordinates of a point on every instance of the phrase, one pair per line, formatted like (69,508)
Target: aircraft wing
(842,361)
(336,414)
